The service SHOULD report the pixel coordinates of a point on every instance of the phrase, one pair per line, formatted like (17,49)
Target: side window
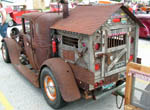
(27,26)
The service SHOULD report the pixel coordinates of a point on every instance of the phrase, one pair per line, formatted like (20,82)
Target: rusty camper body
(76,55)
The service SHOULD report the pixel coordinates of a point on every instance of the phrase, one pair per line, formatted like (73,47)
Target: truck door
(116,48)
(28,36)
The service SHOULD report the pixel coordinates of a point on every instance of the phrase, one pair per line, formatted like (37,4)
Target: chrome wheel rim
(49,87)
(10,23)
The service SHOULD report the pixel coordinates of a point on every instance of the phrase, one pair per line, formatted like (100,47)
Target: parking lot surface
(17,93)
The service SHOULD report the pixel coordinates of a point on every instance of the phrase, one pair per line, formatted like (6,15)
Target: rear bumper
(99,95)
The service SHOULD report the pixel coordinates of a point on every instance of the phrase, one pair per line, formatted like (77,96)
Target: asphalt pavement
(17,93)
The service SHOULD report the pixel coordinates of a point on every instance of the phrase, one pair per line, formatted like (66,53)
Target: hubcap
(10,23)
(49,87)
(4,52)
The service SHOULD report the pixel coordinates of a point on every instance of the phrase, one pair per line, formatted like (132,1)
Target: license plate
(109,86)
(120,64)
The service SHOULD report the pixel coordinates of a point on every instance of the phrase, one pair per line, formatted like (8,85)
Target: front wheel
(50,89)
(5,53)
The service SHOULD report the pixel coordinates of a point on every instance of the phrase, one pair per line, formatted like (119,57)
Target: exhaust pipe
(65,8)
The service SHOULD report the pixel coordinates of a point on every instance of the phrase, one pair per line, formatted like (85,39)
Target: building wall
(38,4)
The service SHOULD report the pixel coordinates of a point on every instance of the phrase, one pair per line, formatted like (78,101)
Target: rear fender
(64,77)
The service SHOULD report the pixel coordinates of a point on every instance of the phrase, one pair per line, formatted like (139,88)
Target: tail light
(97,84)
(97,46)
(131,58)
(116,20)
(83,44)
(101,83)
(97,67)
(132,40)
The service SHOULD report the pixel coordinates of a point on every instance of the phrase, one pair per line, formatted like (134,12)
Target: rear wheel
(50,89)
(5,53)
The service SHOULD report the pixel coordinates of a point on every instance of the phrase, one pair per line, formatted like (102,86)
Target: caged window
(69,41)
(116,40)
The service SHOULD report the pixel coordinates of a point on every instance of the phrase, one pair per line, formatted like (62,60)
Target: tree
(117,0)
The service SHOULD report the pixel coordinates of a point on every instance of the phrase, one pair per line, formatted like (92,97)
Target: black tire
(5,52)
(58,102)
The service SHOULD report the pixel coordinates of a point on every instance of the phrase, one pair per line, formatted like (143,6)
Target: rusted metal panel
(82,85)
(14,53)
(41,38)
(83,74)
(69,55)
(110,79)
(40,45)
(87,19)
(29,51)
(65,79)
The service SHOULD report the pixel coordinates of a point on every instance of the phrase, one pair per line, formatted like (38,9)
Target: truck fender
(64,77)
(13,49)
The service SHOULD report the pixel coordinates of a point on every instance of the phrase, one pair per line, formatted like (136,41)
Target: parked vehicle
(144,31)
(55,7)
(74,53)
(145,8)
(107,2)
(15,12)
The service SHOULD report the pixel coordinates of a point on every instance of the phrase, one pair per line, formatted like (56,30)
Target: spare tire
(14,31)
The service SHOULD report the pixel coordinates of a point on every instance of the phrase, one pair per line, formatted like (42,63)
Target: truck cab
(75,53)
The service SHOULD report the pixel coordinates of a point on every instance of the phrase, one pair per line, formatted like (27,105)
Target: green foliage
(80,1)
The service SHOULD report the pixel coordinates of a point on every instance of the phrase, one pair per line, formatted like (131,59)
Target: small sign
(139,75)
(123,14)
(124,20)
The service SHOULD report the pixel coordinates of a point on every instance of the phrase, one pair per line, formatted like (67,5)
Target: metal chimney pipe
(65,10)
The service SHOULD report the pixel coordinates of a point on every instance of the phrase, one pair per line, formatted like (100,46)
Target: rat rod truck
(78,53)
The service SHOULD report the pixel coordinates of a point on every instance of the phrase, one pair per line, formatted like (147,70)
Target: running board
(30,75)
(14,53)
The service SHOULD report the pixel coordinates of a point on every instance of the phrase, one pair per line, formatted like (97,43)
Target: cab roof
(33,15)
